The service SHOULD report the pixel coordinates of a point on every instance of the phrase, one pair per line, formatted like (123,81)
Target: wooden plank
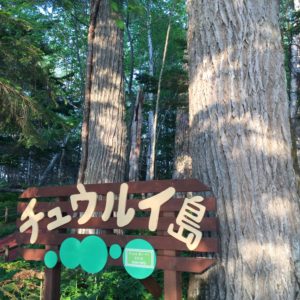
(13,254)
(207,244)
(180,264)
(8,241)
(32,254)
(207,224)
(173,204)
(52,283)
(172,279)
(152,286)
(172,285)
(134,187)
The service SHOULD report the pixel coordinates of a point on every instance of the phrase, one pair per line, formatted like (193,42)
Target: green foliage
(112,284)
(20,280)
(290,25)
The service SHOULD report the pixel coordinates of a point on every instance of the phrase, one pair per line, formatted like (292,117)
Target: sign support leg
(52,283)
(172,285)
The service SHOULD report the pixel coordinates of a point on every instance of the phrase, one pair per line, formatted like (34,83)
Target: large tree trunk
(241,146)
(104,129)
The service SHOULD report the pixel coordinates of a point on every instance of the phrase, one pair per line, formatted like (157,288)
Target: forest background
(43,54)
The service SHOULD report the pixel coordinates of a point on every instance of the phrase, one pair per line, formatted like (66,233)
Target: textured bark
(295,69)
(136,130)
(88,84)
(104,130)
(149,176)
(131,68)
(294,95)
(241,146)
(183,163)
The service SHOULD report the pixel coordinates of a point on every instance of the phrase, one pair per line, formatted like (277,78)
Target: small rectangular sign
(139,258)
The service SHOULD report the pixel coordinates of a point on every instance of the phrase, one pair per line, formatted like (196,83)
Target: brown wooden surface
(180,264)
(9,241)
(13,254)
(207,224)
(168,248)
(172,285)
(207,244)
(173,204)
(52,283)
(134,187)
(152,286)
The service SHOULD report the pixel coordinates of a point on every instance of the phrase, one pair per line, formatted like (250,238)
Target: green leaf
(120,24)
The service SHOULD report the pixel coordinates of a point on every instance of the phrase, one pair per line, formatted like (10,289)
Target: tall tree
(240,146)
(104,130)
(295,69)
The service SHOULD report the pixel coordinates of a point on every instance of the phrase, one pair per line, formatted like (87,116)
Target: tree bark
(150,95)
(136,130)
(241,146)
(183,163)
(155,117)
(295,70)
(294,94)
(104,129)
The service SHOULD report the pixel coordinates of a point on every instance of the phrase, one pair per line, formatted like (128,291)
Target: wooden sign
(84,215)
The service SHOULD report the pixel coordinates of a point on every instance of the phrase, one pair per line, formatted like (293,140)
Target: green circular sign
(115,251)
(69,253)
(50,259)
(93,254)
(139,258)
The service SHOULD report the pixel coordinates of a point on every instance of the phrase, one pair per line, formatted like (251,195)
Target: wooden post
(152,286)
(172,279)
(172,285)
(52,276)
(52,283)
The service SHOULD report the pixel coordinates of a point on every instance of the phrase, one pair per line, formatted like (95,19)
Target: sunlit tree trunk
(182,163)
(104,129)
(136,131)
(294,93)
(295,69)
(150,153)
(241,146)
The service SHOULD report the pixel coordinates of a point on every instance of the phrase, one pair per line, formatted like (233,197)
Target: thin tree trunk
(53,161)
(49,168)
(152,152)
(295,70)
(81,71)
(241,147)
(183,163)
(149,38)
(150,95)
(104,129)
(294,94)
(29,168)
(136,130)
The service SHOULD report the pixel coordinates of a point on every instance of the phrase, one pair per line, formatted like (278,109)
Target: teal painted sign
(91,254)
(139,258)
